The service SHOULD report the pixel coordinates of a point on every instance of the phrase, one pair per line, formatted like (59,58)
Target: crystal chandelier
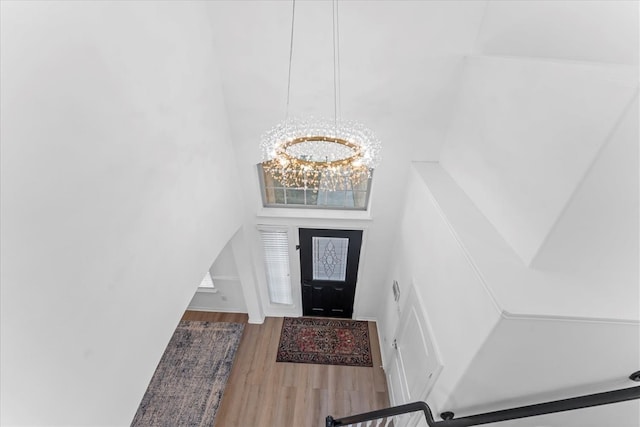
(320,153)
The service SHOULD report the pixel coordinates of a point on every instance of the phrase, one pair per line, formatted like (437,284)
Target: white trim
(382,355)
(313,214)
(217,310)
(361,263)
(227,278)
(544,317)
(253,321)
(207,290)
(365,319)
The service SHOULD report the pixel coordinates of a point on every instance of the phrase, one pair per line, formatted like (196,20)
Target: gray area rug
(187,386)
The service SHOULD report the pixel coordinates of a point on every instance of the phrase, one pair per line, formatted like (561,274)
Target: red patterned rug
(325,342)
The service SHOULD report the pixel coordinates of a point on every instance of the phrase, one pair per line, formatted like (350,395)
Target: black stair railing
(448,419)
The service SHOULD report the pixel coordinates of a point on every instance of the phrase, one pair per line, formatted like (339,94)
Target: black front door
(329,268)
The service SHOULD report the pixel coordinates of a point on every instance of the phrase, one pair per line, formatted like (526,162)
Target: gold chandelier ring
(282,152)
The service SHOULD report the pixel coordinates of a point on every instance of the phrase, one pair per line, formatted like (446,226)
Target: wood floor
(261,392)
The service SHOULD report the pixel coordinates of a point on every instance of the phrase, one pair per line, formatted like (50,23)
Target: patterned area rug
(325,342)
(187,386)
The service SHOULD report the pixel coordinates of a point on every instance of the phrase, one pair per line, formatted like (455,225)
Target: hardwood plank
(261,392)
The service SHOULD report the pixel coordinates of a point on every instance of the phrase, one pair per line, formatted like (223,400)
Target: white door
(414,364)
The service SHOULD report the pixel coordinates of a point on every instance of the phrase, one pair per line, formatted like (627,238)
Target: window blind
(275,247)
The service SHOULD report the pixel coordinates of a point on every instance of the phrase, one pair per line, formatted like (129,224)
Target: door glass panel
(330,258)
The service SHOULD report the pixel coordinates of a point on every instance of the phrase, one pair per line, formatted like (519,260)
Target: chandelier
(331,154)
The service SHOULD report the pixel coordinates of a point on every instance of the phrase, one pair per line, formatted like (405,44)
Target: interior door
(414,365)
(329,269)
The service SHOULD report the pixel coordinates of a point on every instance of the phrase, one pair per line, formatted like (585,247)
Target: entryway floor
(261,392)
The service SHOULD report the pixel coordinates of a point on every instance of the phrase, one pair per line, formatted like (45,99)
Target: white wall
(508,335)
(624,414)
(429,256)
(596,237)
(523,135)
(532,360)
(604,31)
(517,288)
(544,141)
(228,296)
(115,159)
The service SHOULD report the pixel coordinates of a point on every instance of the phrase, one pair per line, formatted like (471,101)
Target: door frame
(346,287)
(390,365)
(296,268)
(293,225)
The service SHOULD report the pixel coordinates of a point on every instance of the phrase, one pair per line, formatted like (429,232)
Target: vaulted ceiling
(526,91)
(400,61)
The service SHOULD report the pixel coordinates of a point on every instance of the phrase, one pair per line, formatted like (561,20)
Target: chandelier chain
(335,86)
(336,63)
(338,97)
(320,154)
(293,18)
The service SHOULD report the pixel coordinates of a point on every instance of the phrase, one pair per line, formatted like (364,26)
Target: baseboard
(375,320)
(217,310)
(382,353)
(256,321)
(366,319)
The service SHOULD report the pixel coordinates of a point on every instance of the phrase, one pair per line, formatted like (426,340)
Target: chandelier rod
(336,63)
(293,18)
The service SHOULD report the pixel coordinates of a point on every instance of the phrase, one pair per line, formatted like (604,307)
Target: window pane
(279,195)
(335,198)
(359,199)
(274,195)
(362,185)
(295,196)
(269,181)
(348,200)
(312,197)
(319,195)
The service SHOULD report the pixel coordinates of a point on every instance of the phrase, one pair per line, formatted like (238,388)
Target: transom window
(276,194)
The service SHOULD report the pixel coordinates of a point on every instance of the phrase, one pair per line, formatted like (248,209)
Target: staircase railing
(384,417)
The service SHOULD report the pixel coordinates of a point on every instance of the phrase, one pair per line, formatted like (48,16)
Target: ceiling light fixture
(320,153)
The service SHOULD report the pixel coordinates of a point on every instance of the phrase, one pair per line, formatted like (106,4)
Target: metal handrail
(551,407)
(383,413)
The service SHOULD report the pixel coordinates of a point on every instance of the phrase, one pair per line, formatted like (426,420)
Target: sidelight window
(275,247)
